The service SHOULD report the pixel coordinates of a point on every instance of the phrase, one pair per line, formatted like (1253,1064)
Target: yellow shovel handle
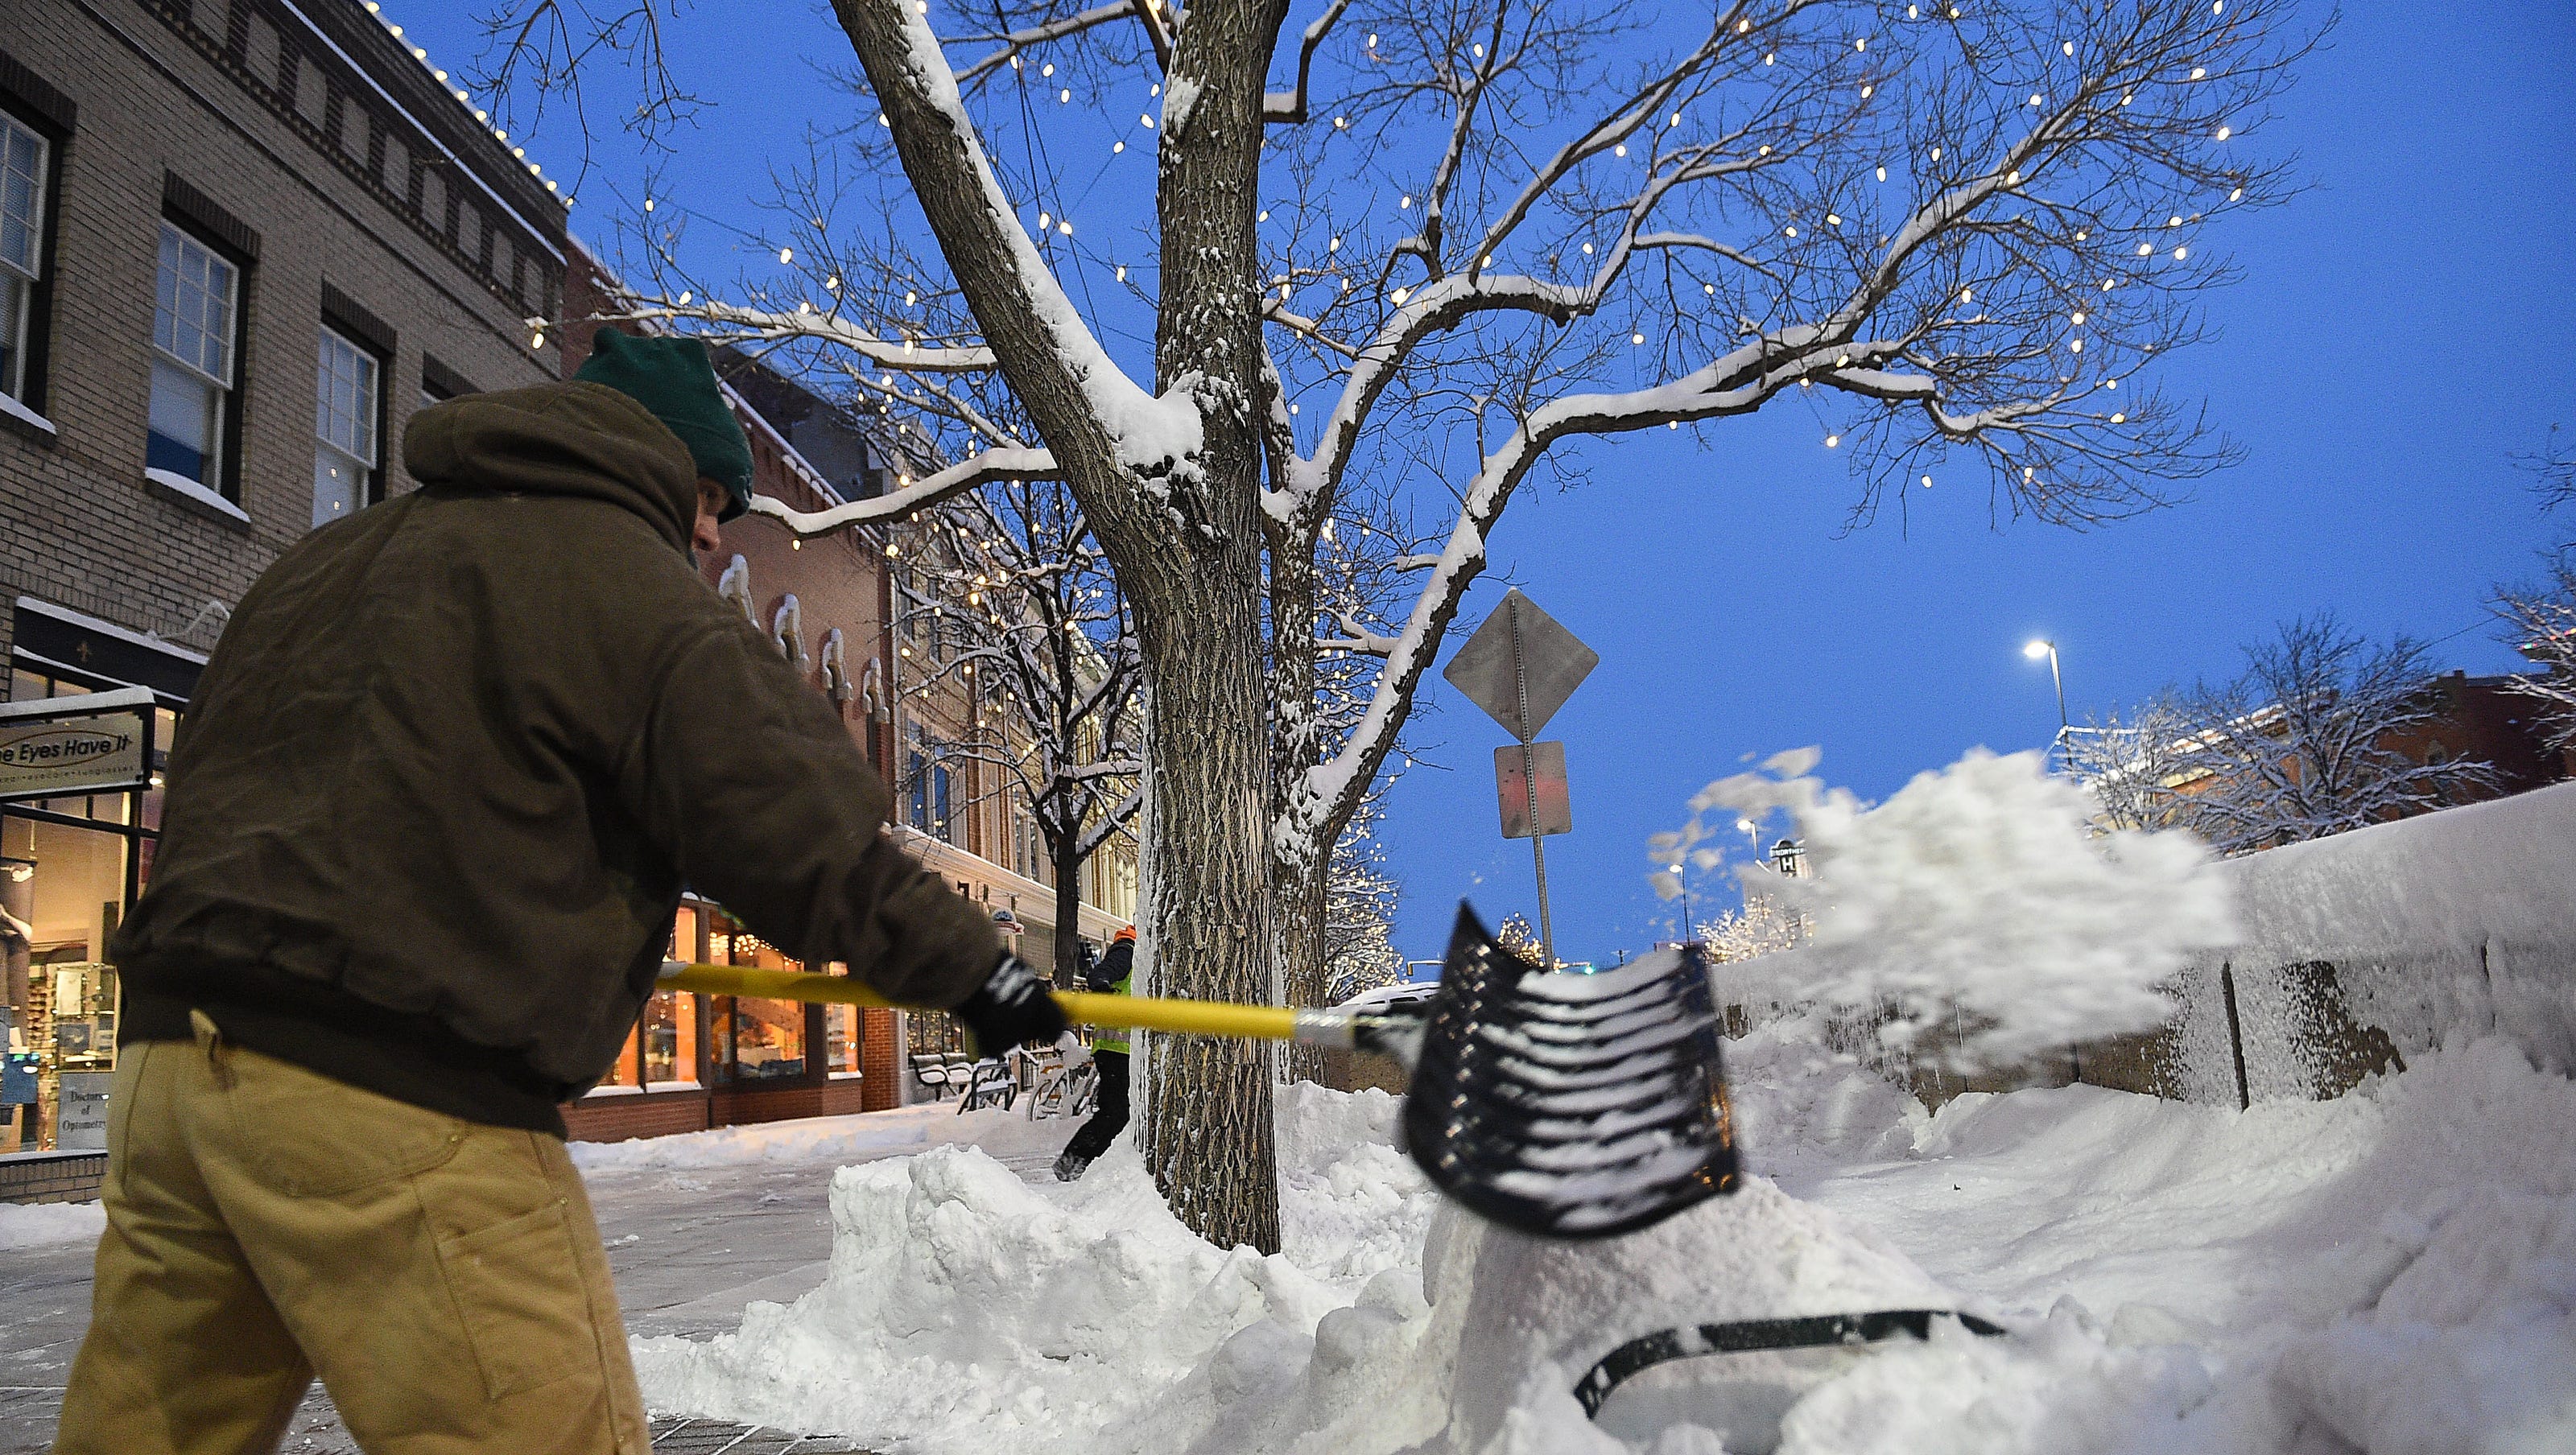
(1126,1012)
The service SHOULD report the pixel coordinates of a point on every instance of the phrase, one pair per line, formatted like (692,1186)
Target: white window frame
(165,325)
(357,449)
(24,277)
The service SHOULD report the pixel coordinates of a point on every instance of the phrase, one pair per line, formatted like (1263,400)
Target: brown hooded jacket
(455,756)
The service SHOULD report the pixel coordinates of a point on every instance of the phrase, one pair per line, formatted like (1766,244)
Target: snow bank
(34,1224)
(964,1306)
(2392,1272)
(2454,924)
(815,1139)
(2393,1268)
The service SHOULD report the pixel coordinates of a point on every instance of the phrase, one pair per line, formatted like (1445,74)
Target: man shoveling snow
(443,781)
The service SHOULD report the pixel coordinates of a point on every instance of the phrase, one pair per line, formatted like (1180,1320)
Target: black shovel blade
(1570,1105)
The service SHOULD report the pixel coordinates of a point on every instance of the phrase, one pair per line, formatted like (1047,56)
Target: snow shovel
(1561,1105)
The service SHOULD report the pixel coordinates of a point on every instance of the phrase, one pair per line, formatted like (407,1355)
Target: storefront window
(755,1040)
(671,1016)
(762,1040)
(627,1069)
(933,1031)
(64,890)
(840,1033)
(671,1039)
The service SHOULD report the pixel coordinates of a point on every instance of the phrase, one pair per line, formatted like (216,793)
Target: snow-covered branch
(914,497)
(1290,106)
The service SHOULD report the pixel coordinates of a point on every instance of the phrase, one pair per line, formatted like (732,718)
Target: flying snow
(1982,899)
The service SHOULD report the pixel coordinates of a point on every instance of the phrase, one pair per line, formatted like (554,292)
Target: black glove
(1010,1007)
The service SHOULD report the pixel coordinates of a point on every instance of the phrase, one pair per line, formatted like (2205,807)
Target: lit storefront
(82,745)
(700,1061)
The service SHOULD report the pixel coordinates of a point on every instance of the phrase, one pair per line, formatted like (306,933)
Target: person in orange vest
(1114,975)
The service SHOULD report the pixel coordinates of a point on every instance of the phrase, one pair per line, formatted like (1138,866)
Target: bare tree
(1958,233)
(1359,916)
(1007,603)
(2133,762)
(1763,926)
(2310,741)
(2553,475)
(2538,619)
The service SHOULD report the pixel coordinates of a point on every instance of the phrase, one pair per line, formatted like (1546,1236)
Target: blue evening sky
(2399,332)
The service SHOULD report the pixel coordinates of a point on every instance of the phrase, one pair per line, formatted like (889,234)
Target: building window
(344,420)
(755,1040)
(24,157)
(192,360)
(439,383)
(928,778)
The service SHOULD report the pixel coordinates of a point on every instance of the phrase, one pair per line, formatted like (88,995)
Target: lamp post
(1689,931)
(2041,647)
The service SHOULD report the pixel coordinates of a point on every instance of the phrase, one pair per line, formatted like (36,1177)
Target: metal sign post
(1520,666)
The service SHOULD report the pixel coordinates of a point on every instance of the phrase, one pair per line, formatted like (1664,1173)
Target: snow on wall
(2449,925)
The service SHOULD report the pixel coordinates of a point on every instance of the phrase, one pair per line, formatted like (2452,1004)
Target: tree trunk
(1297,873)
(1301,947)
(1210,1127)
(1185,539)
(1066,850)
(1201,631)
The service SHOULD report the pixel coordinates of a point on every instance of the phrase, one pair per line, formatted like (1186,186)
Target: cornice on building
(366,67)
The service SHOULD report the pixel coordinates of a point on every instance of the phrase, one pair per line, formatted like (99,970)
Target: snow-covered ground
(33,1225)
(2390,1272)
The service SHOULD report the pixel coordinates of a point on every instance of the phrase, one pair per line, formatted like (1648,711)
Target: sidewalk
(697,1226)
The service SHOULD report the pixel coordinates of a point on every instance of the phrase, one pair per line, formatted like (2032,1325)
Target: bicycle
(1061,1090)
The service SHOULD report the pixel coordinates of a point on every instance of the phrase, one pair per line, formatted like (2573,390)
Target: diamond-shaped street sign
(1492,667)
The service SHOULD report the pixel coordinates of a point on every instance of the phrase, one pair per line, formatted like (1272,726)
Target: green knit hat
(672,378)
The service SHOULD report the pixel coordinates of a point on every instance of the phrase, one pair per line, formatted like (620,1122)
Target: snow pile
(2391,1272)
(1516,1321)
(2395,1268)
(812,1139)
(1799,1104)
(2461,922)
(966,1308)
(964,1305)
(1979,900)
(34,1224)
(2464,1337)
(854,1136)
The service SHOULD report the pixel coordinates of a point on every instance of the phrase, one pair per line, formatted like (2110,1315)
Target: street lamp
(2037,649)
(1689,932)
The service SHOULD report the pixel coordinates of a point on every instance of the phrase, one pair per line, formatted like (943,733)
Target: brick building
(2487,720)
(828,602)
(240,243)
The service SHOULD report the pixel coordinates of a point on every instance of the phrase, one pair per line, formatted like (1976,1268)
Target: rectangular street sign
(1555,804)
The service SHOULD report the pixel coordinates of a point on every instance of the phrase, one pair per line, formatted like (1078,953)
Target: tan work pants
(265,1223)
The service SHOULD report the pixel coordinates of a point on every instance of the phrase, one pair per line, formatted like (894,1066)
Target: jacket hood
(572,439)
